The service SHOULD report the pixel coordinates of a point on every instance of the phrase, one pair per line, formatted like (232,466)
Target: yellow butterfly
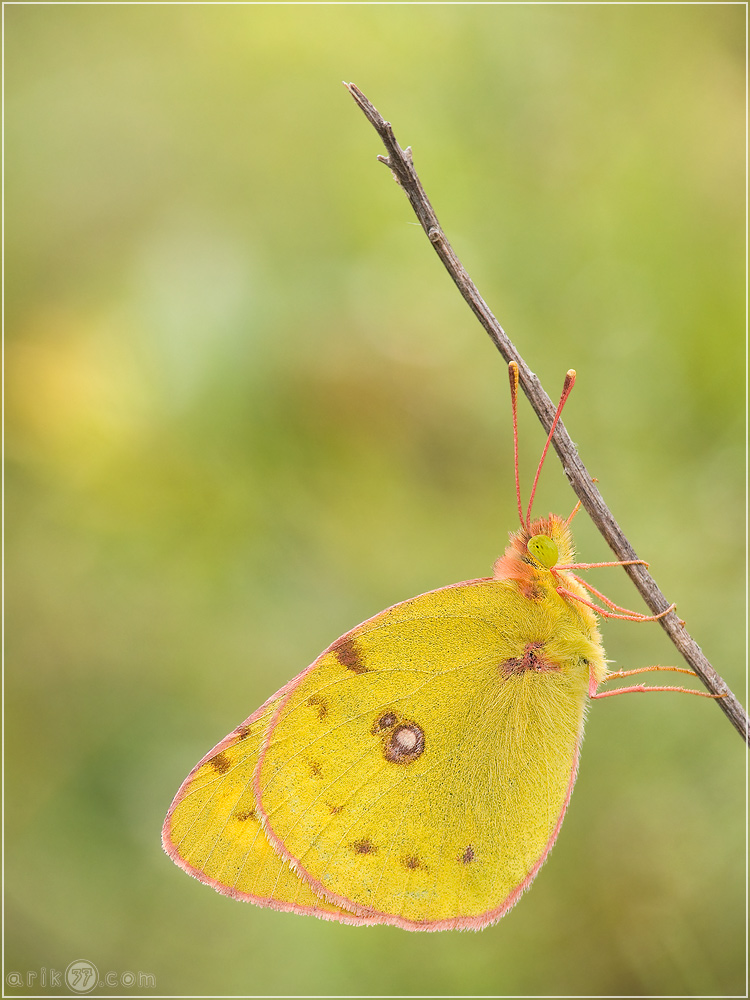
(417,773)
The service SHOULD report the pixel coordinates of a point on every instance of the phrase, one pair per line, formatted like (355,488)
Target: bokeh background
(246,409)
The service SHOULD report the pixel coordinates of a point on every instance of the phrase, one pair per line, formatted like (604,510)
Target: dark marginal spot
(412,862)
(364,846)
(244,814)
(321,704)
(384,722)
(315,769)
(532,659)
(220,763)
(467,856)
(347,653)
(241,732)
(405,744)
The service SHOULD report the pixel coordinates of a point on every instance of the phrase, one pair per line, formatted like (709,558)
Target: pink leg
(641,688)
(632,616)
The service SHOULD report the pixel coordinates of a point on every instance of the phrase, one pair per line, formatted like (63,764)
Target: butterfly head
(544,549)
(534,552)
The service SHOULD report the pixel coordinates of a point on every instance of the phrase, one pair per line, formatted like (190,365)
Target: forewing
(213,829)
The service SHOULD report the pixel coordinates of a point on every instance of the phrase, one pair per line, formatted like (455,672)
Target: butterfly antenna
(570,380)
(513,375)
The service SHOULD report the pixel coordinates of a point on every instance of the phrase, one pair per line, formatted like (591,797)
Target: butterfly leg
(631,616)
(641,688)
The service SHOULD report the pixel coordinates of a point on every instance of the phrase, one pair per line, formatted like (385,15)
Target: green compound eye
(543,549)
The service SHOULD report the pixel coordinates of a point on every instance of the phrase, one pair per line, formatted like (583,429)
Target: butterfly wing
(213,828)
(418,772)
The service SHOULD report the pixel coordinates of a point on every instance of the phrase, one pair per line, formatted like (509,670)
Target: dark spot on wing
(220,763)
(241,732)
(529,589)
(315,769)
(321,704)
(364,846)
(412,862)
(347,653)
(244,814)
(405,744)
(334,810)
(532,658)
(384,722)
(467,856)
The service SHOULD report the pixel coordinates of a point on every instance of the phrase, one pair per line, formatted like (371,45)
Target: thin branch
(400,163)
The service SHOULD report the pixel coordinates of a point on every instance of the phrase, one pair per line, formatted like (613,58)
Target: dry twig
(399,161)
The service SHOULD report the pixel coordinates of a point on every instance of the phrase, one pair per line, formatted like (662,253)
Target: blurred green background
(246,409)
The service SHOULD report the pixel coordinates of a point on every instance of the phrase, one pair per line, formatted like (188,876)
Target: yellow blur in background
(247,409)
